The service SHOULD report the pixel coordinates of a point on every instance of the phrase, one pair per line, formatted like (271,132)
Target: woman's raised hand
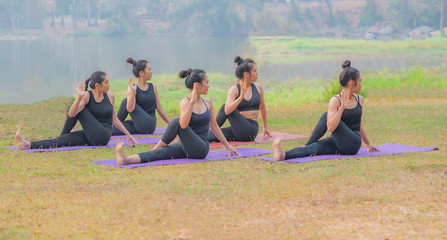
(243,90)
(132,87)
(195,92)
(81,90)
(345,99)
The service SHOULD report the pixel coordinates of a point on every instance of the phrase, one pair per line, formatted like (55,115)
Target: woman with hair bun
(141,102)
(244,103)
(196,119)
(343,119)
(94,110)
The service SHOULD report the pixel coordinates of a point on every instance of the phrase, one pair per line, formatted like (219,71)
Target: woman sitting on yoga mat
(244,102)
(94,110)
(141,102)
(196,119)
(343,120)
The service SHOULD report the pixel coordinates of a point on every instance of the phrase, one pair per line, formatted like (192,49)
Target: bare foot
(120,156)
(278,153)
(21,142)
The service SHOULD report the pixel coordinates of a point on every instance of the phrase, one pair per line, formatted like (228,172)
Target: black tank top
(254,102)
(200,123)
(146,99)
(102,111)
(352,117)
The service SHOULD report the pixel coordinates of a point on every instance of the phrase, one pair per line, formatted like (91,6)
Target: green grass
(292,45)
(62,195)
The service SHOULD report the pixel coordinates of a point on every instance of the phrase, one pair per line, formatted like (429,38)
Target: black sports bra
(253,103)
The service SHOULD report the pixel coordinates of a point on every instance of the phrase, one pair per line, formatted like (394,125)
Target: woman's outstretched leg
(321,147)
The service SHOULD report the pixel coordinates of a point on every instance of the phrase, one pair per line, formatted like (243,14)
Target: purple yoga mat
(385,149)
(158,131)
(111,144)
(212,156)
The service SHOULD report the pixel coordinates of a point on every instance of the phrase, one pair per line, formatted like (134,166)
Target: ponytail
(86,83)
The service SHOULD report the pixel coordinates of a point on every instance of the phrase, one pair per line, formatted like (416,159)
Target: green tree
(370,15)
(21,14)
(212,18)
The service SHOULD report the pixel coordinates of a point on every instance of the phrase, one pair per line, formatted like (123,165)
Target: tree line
(217,18)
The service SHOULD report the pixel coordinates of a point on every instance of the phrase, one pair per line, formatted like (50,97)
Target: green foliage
(418,77)
(212,18)
(119,26)
(370,15)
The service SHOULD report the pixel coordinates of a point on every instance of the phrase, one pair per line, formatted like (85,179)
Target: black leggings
(190,145)
(93,133)
(241,129)
(142,122)
(342,141)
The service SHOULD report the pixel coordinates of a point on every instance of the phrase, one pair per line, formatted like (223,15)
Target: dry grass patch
(63,195)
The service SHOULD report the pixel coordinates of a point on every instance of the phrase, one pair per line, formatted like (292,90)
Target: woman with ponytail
(141,102)
(343,120)
(244,103)
(94,110)
(196,119)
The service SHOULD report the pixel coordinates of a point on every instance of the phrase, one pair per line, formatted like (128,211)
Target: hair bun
(185,73)
(238,60)
(131,61)
(346,64)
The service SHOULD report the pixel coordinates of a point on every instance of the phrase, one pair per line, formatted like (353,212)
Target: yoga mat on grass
(385,149)
(158,131)
(212,156)
(111,144)
(261,139)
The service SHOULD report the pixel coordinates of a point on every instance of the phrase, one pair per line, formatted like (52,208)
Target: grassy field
(292,50)
(62,195)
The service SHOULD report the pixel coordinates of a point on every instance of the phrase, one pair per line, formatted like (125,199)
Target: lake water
(33,70)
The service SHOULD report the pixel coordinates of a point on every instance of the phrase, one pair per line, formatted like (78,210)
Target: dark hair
(192,76)
(243,65)
(138,66)
(96,77)
(349,73)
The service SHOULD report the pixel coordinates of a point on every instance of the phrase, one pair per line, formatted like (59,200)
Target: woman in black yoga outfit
(94,110)
(196,119)
(141,102)
(244,102)
(343,120)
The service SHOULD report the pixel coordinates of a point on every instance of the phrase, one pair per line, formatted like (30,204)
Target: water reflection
(34,70)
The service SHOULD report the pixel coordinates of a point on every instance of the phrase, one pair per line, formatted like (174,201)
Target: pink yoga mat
(212,156)
(158,131)
(385,149)
(111,144)
(260,139)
